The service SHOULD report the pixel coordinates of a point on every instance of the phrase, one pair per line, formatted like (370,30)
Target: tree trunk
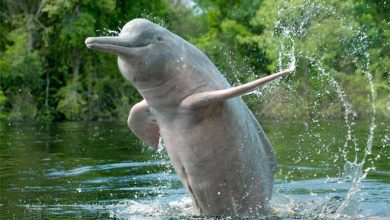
(47,90)
(76,66)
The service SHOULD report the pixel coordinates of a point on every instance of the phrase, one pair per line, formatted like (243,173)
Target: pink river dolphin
(216,145)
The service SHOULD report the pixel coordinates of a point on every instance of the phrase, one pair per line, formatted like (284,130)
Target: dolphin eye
(159,38)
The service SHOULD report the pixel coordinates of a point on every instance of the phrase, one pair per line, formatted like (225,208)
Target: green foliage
(331,45)
(225,40)
(3,100)
(75,30)
(71,103)
(20,66)
(24,106)
(48,74)
(123,108)
(21,71)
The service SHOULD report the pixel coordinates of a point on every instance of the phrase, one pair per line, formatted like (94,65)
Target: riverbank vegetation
(48,74)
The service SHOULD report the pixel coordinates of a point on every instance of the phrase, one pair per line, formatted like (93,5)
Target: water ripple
(84,169)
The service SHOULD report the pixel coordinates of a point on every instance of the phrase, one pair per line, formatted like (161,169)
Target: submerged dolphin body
(216,146)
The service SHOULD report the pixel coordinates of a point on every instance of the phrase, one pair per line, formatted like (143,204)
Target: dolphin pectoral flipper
(143,124)
(211,97)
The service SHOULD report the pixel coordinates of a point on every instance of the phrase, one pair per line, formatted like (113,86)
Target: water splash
(108,32)
(166,169)
(130,209)
(354,171)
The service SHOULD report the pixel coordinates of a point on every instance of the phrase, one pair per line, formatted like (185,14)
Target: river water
(100,170)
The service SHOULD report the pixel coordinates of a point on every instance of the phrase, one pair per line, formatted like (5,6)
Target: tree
(331,46)
(48,73)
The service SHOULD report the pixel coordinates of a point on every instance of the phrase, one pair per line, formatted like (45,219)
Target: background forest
(48,74)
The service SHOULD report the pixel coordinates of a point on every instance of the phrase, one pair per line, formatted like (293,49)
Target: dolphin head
(144,49)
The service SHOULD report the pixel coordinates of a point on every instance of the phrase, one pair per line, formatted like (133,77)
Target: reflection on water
(100,170)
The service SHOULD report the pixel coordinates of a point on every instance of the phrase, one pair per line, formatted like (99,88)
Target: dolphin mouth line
(113,42)
(116,45)
(95,44)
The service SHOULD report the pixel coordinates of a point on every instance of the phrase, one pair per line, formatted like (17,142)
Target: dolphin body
(216,146)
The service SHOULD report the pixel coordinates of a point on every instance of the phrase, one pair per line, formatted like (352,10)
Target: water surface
(100,170)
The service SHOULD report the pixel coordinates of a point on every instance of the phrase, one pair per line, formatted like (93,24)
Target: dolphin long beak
(114,45)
